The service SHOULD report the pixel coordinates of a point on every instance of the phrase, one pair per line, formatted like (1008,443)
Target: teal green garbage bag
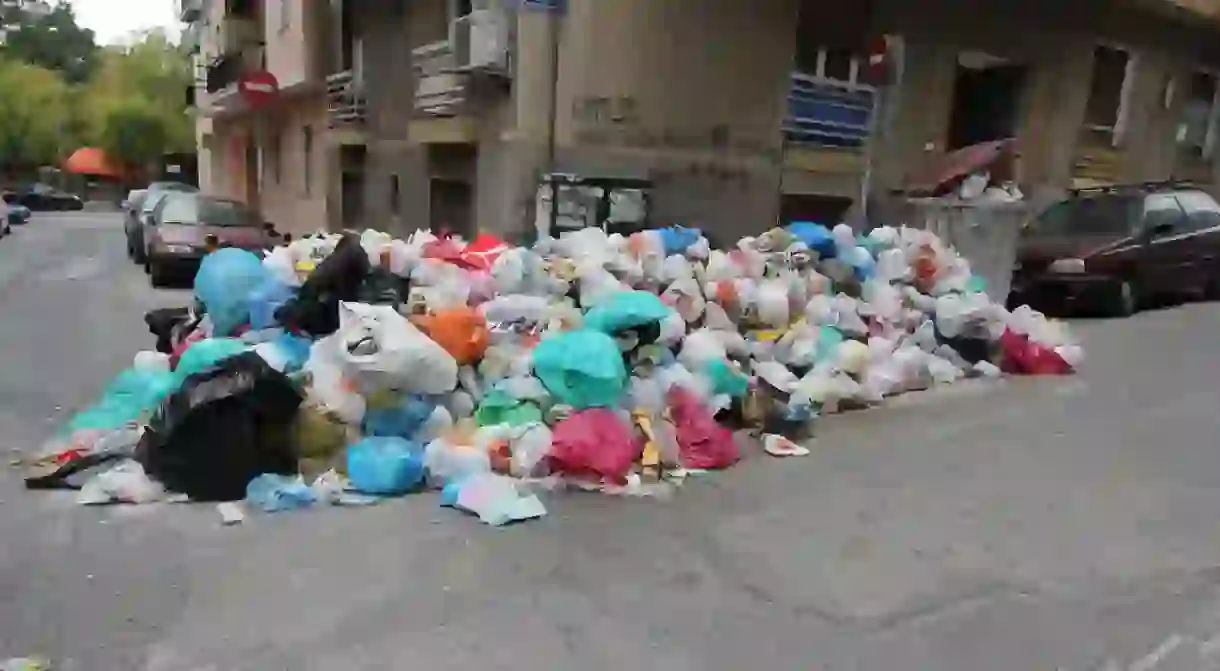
(205,354)
(583,369)
(625,310)
(725,380)
(976,285)
(127,398)
(829,339)
(225,283)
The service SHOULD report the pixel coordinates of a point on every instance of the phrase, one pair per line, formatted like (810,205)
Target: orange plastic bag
(461,332)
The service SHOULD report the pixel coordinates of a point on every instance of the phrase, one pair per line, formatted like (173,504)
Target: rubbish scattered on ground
(230,513)
(342,369)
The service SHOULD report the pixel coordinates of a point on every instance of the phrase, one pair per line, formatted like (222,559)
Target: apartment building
(404,114)
(260,103)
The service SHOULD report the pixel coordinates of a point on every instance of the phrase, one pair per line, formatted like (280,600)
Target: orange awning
(93,161)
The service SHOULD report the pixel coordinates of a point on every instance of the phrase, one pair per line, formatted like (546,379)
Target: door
(450,203)
(986,104)
(1200,239)
(1164,261)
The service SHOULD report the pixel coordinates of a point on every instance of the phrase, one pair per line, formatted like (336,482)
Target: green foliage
(33,115)
(55,42)
(59,92)
(134,133)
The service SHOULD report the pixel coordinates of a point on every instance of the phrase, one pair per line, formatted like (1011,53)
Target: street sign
(259,88)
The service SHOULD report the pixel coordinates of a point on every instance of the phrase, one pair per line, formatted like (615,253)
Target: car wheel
(156,274)
(1123,300)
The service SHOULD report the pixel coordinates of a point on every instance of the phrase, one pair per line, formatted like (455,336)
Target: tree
(33,115)
(135,134)
(151,74)
(52,40)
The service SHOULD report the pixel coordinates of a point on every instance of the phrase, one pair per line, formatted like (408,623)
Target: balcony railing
(440,87)
(827,112)
(345,101)
(445,70)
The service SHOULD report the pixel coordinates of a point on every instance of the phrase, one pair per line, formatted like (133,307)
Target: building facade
(414,113)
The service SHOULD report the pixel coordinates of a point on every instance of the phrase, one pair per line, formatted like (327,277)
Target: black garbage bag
(223,428)
(171,325)
(315,308)
(382,287)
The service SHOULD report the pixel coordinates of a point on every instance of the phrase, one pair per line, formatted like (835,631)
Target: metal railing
(828,112)
(345,100)
(440,88)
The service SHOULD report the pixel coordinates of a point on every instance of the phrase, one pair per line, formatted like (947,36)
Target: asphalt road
(1039,524)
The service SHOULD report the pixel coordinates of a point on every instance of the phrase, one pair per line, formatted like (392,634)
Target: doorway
(451,203)
(986,100)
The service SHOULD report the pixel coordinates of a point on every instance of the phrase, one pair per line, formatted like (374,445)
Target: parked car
(6,224)
(1114,249)
(187,226)
(41,197)
(17,214)
(138,207)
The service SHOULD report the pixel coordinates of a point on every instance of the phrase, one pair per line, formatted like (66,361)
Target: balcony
(828,113)
(222,75)
(450,72)
(190,11)
(345,101)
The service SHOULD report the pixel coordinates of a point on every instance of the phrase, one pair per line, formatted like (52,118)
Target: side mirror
(125,205)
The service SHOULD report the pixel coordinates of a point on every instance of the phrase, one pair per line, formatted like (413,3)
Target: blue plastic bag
(224,284)
(862,262)
(583,369)
(385,466)
(403,420)
(816,236)
(677,238)
(626,309)
(130,395)
(273,493)
(265,300)
(204,355)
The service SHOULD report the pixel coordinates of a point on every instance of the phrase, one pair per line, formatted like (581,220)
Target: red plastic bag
(483,251)
(1021,356)
(594,443)
(702,442)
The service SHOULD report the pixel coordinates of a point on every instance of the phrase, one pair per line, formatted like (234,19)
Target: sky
(114,20)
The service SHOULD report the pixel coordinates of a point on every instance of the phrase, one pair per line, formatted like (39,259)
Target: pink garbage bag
(702,442)
(595,444)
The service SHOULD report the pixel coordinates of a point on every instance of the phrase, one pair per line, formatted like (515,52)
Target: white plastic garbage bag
(379,349)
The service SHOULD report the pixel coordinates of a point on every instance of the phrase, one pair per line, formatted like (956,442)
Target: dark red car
(186,226)
(1114,249)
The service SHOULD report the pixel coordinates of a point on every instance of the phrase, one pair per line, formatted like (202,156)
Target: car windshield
(1093,215)
(193,209)
(172,186)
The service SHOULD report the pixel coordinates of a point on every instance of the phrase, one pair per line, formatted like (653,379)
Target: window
(1109,91)
(274,162)
(394,192)
(285,15)
(179,209)
(307,143)
(1096,215)
(1197,133)
(1162,210)
(1202,213)
(838,64)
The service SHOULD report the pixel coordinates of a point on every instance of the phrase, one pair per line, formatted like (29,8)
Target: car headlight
(178,249)
(1068,266)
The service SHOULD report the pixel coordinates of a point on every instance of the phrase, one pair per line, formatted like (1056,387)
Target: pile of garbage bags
(341,369)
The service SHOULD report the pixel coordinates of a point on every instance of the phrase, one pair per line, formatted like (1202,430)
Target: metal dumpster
(984,232)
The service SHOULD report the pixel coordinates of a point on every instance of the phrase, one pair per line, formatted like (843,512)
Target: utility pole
(554,9)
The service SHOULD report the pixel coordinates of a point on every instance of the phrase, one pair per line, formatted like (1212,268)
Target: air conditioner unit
(190,11)
(480,40)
